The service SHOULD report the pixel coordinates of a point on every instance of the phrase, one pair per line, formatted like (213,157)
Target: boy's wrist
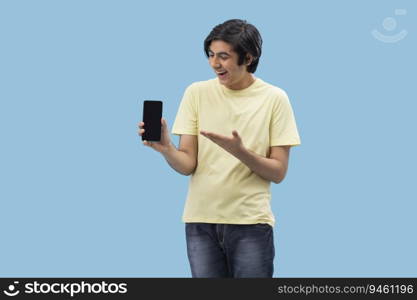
(169,149)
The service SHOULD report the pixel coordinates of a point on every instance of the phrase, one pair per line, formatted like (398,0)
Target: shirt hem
(183,132)
(228,221)
(285,144)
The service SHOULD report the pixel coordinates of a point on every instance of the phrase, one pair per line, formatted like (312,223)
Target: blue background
(82,196)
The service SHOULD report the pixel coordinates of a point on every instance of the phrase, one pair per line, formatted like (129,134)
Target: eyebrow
(220,53)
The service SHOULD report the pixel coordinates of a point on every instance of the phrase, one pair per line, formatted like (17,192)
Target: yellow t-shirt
(222,189)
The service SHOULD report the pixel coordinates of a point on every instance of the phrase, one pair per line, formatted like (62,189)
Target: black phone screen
(152,114)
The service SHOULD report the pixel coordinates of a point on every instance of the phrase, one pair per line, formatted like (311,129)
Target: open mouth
(222,74)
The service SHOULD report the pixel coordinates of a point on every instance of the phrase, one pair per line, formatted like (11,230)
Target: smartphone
(152,114)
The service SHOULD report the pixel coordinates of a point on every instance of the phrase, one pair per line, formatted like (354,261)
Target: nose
(214,62)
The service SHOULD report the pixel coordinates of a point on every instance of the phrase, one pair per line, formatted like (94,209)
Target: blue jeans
(229,250)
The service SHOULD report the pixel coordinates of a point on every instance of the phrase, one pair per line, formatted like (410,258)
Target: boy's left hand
(232,144)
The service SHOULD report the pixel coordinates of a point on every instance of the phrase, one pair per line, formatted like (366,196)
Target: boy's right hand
(164,144)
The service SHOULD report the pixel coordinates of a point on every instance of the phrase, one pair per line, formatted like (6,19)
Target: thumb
(235,134)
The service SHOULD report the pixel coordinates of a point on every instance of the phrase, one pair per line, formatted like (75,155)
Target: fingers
(147,143)
(141,131)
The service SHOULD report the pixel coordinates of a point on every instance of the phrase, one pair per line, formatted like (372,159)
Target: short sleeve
(186,119)
(283,129)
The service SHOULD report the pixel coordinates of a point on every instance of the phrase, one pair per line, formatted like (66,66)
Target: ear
(249,59)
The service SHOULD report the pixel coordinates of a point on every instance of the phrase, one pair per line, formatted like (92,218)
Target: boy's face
(224,60)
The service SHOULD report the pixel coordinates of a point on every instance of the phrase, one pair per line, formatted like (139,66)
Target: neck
(244,83)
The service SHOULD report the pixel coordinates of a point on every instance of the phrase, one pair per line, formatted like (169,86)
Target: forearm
(179,160)
(267,168)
